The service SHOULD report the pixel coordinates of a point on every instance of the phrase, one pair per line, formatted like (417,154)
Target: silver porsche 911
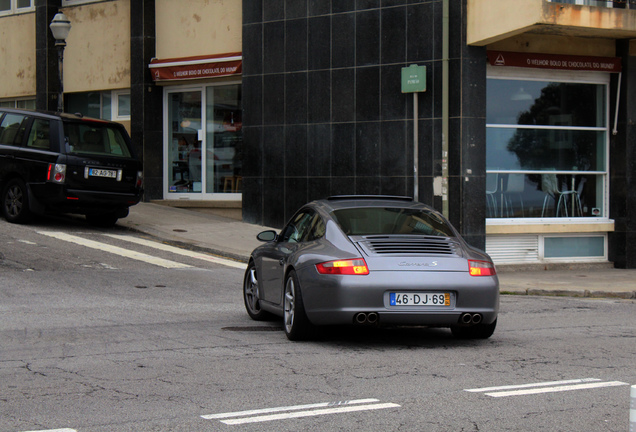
(371,260)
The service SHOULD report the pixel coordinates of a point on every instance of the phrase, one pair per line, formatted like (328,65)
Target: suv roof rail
(378,197)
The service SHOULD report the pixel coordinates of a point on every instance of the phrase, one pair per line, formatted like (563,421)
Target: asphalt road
(104,333)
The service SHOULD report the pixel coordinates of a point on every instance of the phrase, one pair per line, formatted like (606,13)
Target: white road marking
(547,383)
(547,387)
(298,411)
(176,250)
(114,250)
(55,430)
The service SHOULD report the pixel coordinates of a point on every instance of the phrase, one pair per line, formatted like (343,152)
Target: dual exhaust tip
(468,318)
(364,318)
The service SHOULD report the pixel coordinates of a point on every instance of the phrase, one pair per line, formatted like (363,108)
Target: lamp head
(60,27)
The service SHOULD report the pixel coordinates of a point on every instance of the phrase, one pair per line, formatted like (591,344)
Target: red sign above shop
(187,68)
(554,61)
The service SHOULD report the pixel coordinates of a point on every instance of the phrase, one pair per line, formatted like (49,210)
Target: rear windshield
(95,138)
(379,220)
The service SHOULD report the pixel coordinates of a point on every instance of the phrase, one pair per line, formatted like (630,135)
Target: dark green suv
(62,163)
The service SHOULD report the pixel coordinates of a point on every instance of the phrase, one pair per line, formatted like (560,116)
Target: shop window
(18,103)
(8,7)
(106,105)
(620,4)
(546,148)
(224,139)
(121,105)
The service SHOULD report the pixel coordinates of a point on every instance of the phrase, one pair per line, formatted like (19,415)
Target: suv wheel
(15,202)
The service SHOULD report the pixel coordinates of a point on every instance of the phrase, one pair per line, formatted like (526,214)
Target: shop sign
(554,61)
(187,68)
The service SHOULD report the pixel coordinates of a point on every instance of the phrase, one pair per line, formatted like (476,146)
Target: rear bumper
(57,198)
(330,299)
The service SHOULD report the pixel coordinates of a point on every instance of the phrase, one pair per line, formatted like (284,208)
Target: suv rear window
(382,221)
(95,138)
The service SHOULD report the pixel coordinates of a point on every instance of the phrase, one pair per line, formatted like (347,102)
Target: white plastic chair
(492,180)
(550,185)
(515,185)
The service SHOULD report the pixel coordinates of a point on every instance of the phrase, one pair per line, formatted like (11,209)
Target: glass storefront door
(185,136)
(204,142)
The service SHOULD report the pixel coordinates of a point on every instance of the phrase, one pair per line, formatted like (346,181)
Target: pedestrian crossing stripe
(179,251)
(298,411)
(115,250)
(545,387)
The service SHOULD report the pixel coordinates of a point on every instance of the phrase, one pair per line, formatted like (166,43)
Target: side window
(12,129)
(40,135)
(317,229)
(297,229)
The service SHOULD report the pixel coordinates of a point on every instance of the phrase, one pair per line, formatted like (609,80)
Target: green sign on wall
(413,79)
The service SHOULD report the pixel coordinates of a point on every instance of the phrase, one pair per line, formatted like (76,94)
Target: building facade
(521,129)
(524,130)
(169,71)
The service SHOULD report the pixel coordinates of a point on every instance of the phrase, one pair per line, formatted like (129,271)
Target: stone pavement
(235,239)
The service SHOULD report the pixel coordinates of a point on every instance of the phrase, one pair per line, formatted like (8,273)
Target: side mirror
(267,236)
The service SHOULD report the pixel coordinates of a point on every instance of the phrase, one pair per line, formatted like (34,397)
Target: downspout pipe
(445,110)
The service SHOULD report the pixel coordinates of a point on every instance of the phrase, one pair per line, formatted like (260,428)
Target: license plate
(420,299)
(95,172)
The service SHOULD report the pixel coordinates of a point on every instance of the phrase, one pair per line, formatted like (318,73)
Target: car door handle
(281,261)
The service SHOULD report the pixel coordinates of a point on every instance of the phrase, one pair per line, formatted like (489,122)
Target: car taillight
(56,173)
(344,267)
(140,179)
(481,268)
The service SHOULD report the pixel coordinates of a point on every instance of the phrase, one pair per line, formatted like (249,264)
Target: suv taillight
(56,173)
(140,179)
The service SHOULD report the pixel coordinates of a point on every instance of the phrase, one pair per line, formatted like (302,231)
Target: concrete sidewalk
(235,239)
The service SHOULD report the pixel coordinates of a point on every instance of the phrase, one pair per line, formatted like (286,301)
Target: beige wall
(198,27)
(491,21)
(97,55)
(17,56)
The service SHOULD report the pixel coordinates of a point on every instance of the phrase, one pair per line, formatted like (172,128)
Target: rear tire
(296,323)
(15,202)
(478,331)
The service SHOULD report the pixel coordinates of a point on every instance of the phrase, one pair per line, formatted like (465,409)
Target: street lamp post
(60,27)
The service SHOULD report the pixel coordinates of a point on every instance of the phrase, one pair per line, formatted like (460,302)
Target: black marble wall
(146,100)
(47,80)
(324,113)
(622,242)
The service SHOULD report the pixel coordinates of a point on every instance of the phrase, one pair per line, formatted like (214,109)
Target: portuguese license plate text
(102,173)
(419,299)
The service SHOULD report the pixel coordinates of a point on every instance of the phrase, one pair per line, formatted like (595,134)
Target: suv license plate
(94,172)
(420,299)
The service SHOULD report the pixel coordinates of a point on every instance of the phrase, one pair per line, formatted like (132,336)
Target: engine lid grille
(409,246)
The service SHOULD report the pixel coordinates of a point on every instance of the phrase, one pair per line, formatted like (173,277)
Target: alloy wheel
(290,305)
(14,201)
(251,291)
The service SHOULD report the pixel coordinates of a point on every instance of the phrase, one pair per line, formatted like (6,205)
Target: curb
(569,293)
